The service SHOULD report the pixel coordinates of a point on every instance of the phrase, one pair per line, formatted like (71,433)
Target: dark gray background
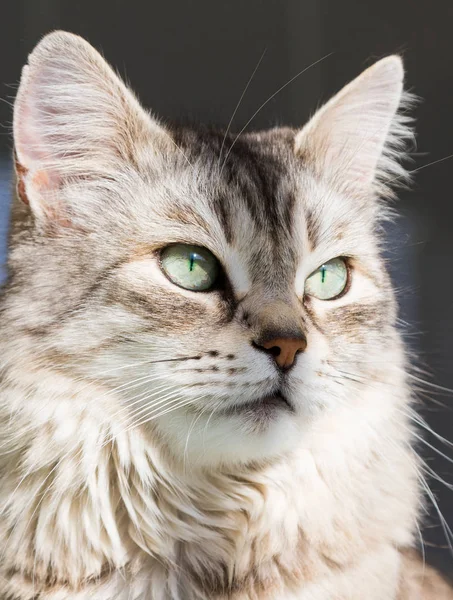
(193,59)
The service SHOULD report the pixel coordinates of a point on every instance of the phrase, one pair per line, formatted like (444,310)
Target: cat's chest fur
(116,521)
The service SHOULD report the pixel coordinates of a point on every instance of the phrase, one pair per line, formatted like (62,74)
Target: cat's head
(227,289)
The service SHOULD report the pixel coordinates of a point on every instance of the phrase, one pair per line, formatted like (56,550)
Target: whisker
(440,388)
(239,102)
(142,409)
(180,404)
(267,101)
(422,423)
(136,399)
(191,428)
(218,405)
(446,528)
(434,162)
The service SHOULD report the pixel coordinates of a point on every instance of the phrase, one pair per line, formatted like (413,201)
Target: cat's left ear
(75,121)
(356,139)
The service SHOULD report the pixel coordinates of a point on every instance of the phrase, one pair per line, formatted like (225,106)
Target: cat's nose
(283,349)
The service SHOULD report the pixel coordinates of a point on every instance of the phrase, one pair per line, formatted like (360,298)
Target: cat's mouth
(262,406)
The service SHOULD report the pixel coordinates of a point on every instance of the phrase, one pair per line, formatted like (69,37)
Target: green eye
(327,282)
(191,267)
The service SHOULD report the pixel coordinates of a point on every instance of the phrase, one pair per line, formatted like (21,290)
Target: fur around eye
(329,281)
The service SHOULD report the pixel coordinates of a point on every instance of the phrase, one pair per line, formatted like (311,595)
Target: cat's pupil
(191,262)
(323,274)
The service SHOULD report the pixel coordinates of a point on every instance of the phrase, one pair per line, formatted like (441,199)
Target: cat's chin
(237,435)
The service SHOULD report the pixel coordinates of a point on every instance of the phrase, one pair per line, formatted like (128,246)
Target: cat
(204,395)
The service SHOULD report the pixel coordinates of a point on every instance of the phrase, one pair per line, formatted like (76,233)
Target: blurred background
(192,59)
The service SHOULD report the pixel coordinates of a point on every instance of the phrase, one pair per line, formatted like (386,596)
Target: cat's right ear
(74,119)
(358,138)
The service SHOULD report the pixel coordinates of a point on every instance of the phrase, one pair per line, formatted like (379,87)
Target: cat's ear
(357,138)
(74,119)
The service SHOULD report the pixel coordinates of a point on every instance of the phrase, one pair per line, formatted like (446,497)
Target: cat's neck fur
(121,514)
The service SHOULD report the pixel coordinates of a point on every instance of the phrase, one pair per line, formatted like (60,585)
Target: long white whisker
(446,528)
(161,399)
(434,162)
(239,102)
(267,101)
(178,403)
(186,447)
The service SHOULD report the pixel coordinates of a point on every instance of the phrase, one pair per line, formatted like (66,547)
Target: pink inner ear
(26,139)
(34,180)
(36,186)
(21,174)
(40,180)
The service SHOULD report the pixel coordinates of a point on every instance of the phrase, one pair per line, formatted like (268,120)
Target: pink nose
(285,350)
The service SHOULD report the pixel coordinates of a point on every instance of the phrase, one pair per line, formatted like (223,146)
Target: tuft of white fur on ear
(358,138)
(73,118)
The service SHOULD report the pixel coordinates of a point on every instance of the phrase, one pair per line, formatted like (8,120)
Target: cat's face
(227,291)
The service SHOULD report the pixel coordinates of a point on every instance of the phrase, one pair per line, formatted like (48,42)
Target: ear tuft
(359,137)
